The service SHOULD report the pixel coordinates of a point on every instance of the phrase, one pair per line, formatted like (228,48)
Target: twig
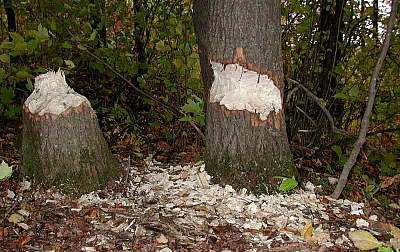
(382,131)
(308,117)
(367,114)
(334,129)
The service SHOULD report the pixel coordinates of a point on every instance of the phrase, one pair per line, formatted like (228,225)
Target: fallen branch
(367,114)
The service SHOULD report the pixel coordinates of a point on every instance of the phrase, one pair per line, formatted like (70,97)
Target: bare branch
(367,114)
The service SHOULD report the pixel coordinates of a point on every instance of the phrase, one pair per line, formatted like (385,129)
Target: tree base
(244,152)
(67,150)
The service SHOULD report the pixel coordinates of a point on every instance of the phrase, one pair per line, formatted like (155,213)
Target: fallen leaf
(307,231)
(395,243)
(3,232)
(25,185)
(364,240)
(15,218)
(162,239)
(394,230)
(5,171)
(10,194)
(25,240)
(200,208)
(184,175)
(202,180)
(89,249)
(388,181)
(23,225)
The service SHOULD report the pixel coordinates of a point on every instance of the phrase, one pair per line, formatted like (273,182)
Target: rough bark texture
(67,150)
(243,150)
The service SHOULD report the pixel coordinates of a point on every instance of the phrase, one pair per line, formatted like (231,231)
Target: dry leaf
(395,243)
(15,218)
(202,180)
(25,240)
(184,175)
(24,226)
(388,181)
(394,230)
(364,240)
(162,239)
(307,231)
(200,208)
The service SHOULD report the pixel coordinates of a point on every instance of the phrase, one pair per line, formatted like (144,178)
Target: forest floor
(173,206)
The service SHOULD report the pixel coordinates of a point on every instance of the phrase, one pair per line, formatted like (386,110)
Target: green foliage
(287,184)
(12,75)
(195,111)
(384,249)
(371,187)
(338,150)
(150,43)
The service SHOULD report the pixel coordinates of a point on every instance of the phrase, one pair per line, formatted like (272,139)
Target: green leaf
(3,73)
(16,37)
(41,33)
(337,150)
(93,35)
(288,184)
(354,91)
(53,25)
(21,46)
(81,47)
(154,124)
(5,171)
(29,85)
(340,96)
(160,45)
(7,45)
(385,249)
(23,74)
(7,95)
(192,107)
(5,58)
(13,110)
(69,63)
(342,160)
(67,45)
(186,119)
(40,70)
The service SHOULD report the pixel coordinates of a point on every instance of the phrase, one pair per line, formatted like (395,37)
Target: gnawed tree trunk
(62,142)
(239,43)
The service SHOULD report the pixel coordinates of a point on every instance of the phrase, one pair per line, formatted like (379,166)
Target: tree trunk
(11,24)
(240,52)
(62,142)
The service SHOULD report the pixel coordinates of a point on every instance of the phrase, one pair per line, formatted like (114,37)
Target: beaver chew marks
(238,88)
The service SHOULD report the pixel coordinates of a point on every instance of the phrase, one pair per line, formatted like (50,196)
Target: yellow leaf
(395,231)
(307,231)
(200,208)
(16,218)
(364,240)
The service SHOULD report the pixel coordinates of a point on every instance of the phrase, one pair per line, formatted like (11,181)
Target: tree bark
(62,143)
(246,145)
(11,24)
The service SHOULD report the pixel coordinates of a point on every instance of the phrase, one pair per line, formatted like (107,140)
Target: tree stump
(62,143)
